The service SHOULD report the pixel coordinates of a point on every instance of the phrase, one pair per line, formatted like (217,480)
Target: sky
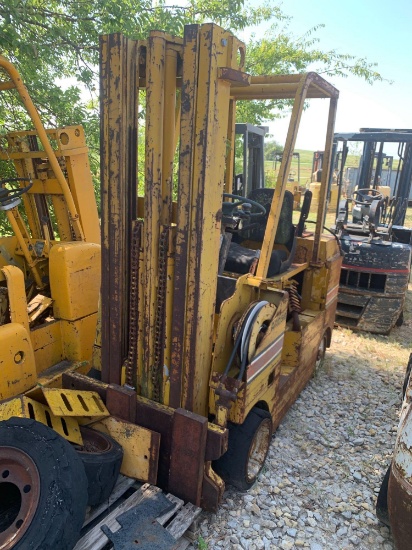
(376,29)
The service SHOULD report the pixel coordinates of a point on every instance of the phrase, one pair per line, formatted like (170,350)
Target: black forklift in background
(370,227)
(249,158)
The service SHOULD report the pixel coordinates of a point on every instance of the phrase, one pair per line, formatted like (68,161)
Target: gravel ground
(319,485)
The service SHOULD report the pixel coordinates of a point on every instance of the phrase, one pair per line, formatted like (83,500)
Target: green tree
(272,148)
(58,39)
(54,39)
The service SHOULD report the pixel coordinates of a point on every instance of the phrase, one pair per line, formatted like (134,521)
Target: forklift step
(347,313)
(172,525)
(350,309)
(352,299)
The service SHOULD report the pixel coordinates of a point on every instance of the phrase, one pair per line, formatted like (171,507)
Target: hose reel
(249,332)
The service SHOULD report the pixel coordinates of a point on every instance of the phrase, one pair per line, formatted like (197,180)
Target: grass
(304,181)
(201,543)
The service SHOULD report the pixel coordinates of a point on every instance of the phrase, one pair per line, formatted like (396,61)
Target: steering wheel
(365,194)
(8,195)
(228,207)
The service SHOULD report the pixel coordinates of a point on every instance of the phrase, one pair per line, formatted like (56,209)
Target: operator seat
(240,258)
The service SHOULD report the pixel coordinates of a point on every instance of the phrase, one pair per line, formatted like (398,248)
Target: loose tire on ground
(247,450)
(43,488)
(102,457)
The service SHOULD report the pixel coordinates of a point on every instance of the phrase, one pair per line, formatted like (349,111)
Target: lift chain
(160,324)
(130,363)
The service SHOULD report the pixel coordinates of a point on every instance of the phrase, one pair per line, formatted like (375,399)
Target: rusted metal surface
(75,380)
(158,418)
(327,157)
(25,407)
(20,473)
(121,402)
(234,76)
(278,195)
(373,283)
(216,442)
(186,159)
(140,447)
(400,477)
(212,489)
(118,107)
(187,455)
(285,87)
(161,419)
(400,508)
(74,403)
(376,268)
(131,361)
(180,333)
(161,317)
(215,50)
(153,204)
(150,415)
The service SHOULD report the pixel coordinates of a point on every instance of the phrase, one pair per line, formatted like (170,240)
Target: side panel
(74,279)
(18,370)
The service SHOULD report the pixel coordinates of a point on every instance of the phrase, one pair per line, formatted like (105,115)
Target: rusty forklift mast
(215,308)
(172,314)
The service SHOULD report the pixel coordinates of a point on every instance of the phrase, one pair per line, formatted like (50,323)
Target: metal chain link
(130,363)
(157,372)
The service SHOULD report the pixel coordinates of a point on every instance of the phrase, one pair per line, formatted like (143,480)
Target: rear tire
(43,488)
(247,450)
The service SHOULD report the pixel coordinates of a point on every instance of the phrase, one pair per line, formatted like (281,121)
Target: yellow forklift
(215,308)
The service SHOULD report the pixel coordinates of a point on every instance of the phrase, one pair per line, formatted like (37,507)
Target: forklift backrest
(285,231)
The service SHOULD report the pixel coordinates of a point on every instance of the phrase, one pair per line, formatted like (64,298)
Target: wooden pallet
(176,521)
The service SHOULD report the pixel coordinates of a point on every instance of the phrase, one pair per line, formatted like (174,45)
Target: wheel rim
(19,494)
(259,450)
(93,442)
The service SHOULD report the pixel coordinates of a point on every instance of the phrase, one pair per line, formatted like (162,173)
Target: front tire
(43,488)
(247,450)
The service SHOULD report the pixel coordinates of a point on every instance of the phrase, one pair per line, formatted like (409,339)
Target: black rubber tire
(233,466)
(59,513)
(382,501)
(102,457)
